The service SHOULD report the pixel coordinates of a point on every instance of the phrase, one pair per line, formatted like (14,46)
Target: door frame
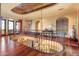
(61,20)
(8,27)
(4,27)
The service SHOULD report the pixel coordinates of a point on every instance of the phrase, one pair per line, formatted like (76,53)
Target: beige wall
(52,20)
(46,22)
(72,17)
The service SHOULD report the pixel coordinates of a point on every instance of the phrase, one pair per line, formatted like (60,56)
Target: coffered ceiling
(25,8)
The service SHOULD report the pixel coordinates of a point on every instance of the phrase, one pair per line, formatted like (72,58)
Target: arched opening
(37,26)
(62,25)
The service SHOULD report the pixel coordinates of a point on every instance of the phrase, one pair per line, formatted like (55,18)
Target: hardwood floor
(12,48)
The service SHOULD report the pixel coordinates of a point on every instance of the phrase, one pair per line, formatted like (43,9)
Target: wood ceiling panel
(25,8)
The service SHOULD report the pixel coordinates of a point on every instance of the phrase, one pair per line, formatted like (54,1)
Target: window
(3,26)
(11,27)
(17,26)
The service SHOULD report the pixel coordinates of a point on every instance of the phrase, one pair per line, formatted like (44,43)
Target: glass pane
(3,26)
(17,27)
(10,26)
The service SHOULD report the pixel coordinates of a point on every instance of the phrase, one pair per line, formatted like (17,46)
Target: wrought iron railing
(47,42)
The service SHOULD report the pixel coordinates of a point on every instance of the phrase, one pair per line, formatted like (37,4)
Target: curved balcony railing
(47,42)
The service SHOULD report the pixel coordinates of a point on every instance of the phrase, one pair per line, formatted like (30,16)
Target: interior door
(62,25)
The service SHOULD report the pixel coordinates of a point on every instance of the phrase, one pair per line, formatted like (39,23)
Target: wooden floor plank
(26,51)
(32,53)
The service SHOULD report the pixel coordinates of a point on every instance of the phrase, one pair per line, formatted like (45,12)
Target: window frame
(8,27)
(16,28)
(4,27)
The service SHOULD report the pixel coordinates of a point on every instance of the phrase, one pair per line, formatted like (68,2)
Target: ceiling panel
(25,8)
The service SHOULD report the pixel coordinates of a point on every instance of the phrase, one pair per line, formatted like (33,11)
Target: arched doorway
(37,26)
(62,25)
